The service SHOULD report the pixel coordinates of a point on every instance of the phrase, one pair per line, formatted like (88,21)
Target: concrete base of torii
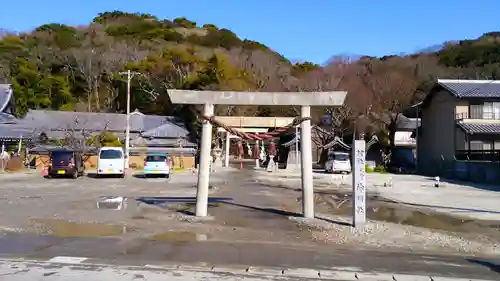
(293,161)
(304,100)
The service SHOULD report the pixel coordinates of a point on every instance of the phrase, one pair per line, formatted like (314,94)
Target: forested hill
(78,67)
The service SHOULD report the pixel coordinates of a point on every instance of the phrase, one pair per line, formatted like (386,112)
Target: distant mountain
(431,49)
(343,56)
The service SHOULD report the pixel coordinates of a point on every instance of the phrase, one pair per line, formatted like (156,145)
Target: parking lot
(28,197)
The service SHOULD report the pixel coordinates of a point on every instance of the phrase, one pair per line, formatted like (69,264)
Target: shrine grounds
(248,210)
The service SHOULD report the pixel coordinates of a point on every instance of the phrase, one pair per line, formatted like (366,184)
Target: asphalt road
(142,252)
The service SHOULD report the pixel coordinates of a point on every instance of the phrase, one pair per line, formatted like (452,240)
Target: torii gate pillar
(303,99)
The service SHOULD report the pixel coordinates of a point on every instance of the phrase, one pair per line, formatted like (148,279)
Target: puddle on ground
(399,213)
(189,208)
(66,229)
(181,237)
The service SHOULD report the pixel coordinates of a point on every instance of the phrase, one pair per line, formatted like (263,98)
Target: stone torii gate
(249,124)
(303,99)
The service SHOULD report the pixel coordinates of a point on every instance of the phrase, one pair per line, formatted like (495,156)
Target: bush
(105,139)
(368,169)
(377,169)
(380,169)
(223,38)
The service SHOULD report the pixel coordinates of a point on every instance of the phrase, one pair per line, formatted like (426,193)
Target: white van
(111,161)
(338,162)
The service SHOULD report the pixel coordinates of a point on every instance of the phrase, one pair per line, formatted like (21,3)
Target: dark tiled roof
(9,131)
(57,123)
(154,125)
(49,119)
(171,129)
(405,123)
(472,88)
(5,96)
(480,128)
(162,142)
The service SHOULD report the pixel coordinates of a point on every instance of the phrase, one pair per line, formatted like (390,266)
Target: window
(110,154)
(476,111)
(484,145)
(339,156)
(476,145)
(156,158)
(60,157)
(491,110)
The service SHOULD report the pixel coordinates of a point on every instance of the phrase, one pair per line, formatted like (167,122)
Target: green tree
(184,22)
(104,139)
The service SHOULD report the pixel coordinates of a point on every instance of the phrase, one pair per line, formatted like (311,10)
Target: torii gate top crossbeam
(257,98)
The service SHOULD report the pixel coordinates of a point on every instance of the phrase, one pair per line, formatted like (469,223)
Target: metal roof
(480,128)
(472,88)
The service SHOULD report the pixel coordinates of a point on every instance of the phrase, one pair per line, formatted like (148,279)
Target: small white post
(359,184)
(257,160)
(306,163)
(204,170)
(226,149)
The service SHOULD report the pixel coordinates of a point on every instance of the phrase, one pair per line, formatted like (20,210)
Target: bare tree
(392,85)
(335,121)
(329,78)
(46,53)
(169,69)
(90,61)
(75,135)
(118,55)
(4,71)
(267,71)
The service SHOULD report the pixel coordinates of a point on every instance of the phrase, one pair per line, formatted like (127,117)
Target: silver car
(338,162)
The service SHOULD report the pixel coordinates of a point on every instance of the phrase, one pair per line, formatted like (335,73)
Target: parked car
(338,162)
(65,162)
(111,161)
(157,164)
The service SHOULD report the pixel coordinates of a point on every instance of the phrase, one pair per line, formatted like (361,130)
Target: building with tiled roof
(155,132)
(460,122)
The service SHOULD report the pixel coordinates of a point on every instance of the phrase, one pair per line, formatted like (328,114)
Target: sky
(313,30)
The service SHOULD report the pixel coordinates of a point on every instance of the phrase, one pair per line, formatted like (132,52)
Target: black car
(65,163)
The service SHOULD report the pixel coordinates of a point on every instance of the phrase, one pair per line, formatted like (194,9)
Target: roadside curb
(339,273)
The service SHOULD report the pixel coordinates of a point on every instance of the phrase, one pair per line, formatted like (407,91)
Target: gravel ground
(386,236)
(28,198)
(258,211)
(383,234)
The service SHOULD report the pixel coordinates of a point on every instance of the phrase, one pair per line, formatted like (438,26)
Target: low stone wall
(135,162)
(473,171)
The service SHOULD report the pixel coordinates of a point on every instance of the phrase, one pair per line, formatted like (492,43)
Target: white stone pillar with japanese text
(359,184)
